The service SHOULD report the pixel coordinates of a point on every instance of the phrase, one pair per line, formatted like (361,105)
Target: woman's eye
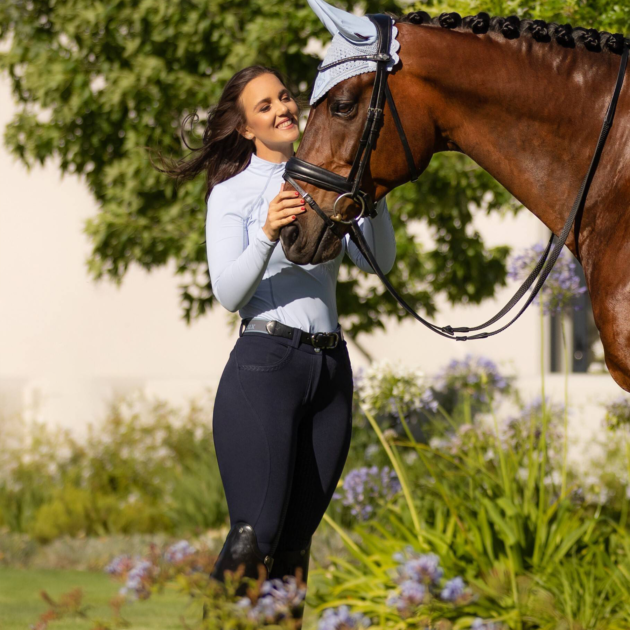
(286,97)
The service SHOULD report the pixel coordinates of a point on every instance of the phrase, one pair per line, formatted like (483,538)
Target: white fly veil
(352,35)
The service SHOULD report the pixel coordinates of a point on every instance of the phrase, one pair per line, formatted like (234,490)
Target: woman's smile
(287,123)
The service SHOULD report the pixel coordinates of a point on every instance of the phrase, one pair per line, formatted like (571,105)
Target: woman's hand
(282,211)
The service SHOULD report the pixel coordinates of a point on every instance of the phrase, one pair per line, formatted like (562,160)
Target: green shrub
(68,513)
(148,467)
(486,498)
(29,471)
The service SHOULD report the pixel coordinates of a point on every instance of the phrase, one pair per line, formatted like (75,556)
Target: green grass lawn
(21,603)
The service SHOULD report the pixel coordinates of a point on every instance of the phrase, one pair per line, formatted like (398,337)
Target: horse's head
(334,129)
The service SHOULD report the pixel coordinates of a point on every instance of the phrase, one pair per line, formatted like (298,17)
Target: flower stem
(565,349)
(624,512)
(542,444)
(399,471)
(542,356)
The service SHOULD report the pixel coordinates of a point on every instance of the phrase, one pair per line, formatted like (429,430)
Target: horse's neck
(529,113)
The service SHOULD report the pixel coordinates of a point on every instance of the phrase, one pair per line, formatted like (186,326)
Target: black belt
(318,340)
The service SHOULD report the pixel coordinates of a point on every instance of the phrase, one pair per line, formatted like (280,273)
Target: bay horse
(525,100)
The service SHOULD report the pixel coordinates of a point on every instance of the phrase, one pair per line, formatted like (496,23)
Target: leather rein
(350,186)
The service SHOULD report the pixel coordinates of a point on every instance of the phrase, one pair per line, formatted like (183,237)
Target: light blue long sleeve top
(249,273)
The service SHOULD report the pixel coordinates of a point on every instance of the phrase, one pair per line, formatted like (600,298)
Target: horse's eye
(343,108)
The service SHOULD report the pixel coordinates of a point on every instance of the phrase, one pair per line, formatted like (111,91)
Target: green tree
(97,82)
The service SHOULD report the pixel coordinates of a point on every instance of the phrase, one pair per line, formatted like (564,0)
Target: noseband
(350,186)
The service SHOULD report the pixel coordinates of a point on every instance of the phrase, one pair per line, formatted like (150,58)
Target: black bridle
(350,186)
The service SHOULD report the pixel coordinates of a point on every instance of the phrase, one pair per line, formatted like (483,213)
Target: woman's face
(271,114)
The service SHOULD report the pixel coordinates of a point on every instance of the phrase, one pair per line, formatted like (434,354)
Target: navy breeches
(282,425)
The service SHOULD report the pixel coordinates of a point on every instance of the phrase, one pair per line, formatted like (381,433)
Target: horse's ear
(355,28)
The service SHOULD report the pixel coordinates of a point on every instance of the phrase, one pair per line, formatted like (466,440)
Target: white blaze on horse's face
(352,35)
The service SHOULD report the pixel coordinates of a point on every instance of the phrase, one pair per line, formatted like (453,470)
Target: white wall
(67,344)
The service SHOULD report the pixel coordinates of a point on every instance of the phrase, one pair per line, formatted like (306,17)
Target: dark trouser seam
(346,444)
(310,379)
(262,503)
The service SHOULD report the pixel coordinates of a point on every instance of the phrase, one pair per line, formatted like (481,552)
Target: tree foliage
(97,82)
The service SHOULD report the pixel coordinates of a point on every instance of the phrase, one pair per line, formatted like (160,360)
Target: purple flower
(428,401)
(516,429)
(363,487)
(277,601)
(419,577)
(481,624)
(119,565)
(137,584)
(423,568)
(534,408)
(178,551)
(562,285)
(411,595)
(618,413)
(341,618)
(453,589)
(477,376)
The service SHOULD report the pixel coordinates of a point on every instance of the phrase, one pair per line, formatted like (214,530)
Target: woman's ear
(244,131)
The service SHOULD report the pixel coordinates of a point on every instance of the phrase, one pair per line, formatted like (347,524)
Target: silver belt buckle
(315,340)
(317,337)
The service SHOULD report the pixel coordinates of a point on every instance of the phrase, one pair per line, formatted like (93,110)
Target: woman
(282,415)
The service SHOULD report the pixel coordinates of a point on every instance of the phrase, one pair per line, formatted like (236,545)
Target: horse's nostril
(291,234)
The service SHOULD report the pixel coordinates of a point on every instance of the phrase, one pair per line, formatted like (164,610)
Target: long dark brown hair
(224,152)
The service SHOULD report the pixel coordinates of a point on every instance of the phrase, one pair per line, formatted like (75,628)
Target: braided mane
(513,27)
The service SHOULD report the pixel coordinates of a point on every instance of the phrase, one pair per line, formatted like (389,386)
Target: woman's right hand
(282,210)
